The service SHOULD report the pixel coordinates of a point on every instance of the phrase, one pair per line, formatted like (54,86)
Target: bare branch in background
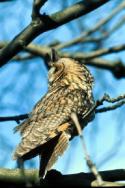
(89,162)
(41,23)
(45,23)
(120,101)
(112,107)
(98,53)
(117,68)
(84,36)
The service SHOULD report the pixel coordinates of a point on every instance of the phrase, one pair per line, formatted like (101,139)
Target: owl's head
(68,71)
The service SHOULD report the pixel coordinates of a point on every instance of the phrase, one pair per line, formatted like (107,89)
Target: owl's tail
(50,154)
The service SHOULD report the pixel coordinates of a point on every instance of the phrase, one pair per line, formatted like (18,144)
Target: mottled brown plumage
(49,127)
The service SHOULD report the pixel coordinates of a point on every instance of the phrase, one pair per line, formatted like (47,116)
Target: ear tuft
(51,57)
(54,56)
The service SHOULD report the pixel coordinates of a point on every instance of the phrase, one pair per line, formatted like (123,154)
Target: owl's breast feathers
(70,91)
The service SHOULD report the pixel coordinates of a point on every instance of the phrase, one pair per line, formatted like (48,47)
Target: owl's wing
(49,120)
(52,151)
(41,108)
(59,149)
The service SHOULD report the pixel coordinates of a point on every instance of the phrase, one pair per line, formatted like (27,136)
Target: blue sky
(24,83)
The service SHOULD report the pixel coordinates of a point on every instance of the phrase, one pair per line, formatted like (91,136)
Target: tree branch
(55,178)
(120,100)
(117,68)
(17,118)
(97,53)
(45,23)
(109,108)
(36,9)
(84,36)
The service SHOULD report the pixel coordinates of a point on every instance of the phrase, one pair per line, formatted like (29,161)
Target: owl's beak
(51,74)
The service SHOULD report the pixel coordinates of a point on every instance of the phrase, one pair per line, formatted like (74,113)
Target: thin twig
(17,118)
(106,98)
(90,164)
(120,101)
(109,108)
(116,67)
(45,23)
(83,36)
(97,53)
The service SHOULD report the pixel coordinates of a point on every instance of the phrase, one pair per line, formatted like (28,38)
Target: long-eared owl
(49,127)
